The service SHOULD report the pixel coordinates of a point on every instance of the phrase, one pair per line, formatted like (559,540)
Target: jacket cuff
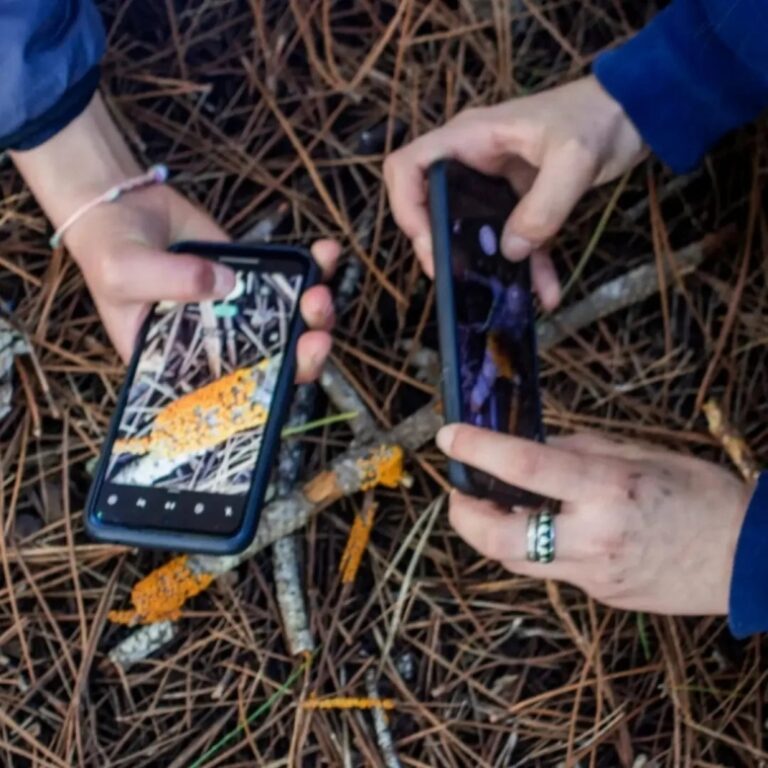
(71,104)
(748,610)
(682,85)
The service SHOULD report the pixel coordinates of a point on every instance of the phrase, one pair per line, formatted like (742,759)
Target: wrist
(79,163)
(624,146)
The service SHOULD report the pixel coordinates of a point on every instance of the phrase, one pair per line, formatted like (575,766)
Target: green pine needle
(325,421)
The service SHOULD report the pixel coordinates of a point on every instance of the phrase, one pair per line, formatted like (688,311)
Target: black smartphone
(192,444)
(486,320)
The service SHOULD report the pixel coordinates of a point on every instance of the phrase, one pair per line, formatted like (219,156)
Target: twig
(381,726)
(732,441)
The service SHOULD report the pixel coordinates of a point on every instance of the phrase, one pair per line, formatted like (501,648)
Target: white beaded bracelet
(157,174)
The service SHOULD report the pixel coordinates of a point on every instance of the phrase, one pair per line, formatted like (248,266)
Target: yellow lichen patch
(161,595)
(359,535)
(202,419)
(383,466)
(347,702)
(733,443)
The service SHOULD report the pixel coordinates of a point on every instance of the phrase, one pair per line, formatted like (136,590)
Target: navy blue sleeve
(698,70)
(50,52)
(748,610)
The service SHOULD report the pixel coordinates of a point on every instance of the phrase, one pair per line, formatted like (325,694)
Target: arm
(69,150)
(50,53)
(697,71)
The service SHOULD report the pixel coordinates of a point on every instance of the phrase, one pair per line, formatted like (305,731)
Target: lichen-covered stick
(285,551)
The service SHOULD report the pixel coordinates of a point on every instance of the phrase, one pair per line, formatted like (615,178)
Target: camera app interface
(495,330)
(190,433)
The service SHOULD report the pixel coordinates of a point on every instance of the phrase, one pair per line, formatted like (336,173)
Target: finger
(317,308)
(545,280)
(597,444)
(541,469)
(146,275)
(565,175)
(463,138)
(312,352)
(326,254)
(501,535)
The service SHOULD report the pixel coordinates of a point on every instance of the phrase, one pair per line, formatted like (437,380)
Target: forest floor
(277,114)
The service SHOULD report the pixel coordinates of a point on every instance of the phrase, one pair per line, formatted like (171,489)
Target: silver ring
(541,536)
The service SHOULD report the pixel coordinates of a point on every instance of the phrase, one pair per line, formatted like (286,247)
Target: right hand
(552,147)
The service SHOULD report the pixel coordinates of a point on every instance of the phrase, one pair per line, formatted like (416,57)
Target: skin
(640,528)
(552,147)
(121,247)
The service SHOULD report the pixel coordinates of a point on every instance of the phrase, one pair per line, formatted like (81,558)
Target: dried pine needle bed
(413,651)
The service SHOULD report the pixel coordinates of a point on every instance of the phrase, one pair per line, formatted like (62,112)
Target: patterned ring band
(541,536)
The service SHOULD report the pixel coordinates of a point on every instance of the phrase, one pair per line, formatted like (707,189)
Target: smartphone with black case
(486,320)
(192,444)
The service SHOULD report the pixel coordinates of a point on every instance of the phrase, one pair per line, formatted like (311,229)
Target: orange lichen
(380,466)
(161,595)
(202,419)
(383,466)
(347,702)
(359,535)
(733,443)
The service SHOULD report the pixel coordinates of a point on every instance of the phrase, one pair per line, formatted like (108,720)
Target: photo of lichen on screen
(203,388)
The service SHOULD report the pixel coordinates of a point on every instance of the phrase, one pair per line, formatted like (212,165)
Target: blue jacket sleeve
(748,610)
(50,52)
(698,70)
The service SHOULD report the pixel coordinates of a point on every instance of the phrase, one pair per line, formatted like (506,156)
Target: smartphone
(192,444)
(486,320)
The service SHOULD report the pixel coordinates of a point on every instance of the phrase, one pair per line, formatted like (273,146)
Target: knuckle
(579,153)
(536,222)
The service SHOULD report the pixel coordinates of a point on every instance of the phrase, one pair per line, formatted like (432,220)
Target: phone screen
(495,318)
(190,433)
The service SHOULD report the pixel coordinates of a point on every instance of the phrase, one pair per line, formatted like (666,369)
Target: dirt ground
(279,113)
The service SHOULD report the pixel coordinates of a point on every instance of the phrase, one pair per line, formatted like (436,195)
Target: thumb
(566,173)
(145,275)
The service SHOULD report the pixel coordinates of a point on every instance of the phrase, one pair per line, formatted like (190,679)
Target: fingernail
(516,247)
(444,438)
(223,281)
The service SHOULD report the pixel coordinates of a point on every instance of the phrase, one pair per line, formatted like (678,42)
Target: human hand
(552,147)
(121,247)
(640,528)
(121,250)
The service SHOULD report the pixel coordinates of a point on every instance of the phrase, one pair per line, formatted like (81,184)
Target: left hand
(121,249)
(640,528)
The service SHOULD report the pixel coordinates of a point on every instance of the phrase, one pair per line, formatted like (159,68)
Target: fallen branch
(285,551)
(161,595)
(380,723)
(631,288)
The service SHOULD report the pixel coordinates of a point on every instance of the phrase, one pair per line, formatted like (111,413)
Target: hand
(121,247)
(552,147)
(121,250)
(640,528)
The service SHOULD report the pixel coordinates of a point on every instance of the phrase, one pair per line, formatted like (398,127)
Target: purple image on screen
(493,311)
